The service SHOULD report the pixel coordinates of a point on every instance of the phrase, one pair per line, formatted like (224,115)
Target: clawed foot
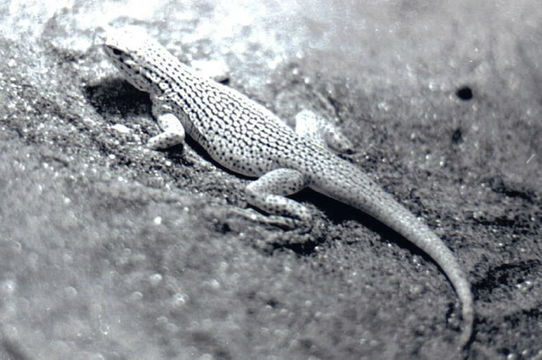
(284,222)
(314,126)
(214,69)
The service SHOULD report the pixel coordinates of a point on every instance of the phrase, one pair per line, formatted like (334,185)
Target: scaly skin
(245,137)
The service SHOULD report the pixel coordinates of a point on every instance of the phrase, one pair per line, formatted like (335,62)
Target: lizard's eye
(117,52)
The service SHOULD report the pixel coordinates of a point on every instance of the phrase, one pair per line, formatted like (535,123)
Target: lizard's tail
(405,223)
(362,193)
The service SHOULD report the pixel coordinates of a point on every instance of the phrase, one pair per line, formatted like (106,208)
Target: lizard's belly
(241,164)
(239,156)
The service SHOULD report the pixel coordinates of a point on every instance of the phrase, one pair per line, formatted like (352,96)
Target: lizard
(247,138)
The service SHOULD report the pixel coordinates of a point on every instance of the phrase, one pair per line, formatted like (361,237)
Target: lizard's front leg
(321,130)
(268,193)
(172,129)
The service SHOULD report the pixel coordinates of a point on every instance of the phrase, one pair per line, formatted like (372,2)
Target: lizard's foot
(321,130)
(268,193)
(172,129)
(165,140)
(173,132)
(337,141)
(214,69)
(286,223)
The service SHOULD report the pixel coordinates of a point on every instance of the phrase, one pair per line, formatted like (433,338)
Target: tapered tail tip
(466,332)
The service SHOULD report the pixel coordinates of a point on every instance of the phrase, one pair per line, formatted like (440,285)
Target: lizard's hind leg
(216,70)
(268,193)
(321,130)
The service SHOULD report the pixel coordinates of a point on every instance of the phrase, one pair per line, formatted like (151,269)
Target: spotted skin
(246,138)
(268,193)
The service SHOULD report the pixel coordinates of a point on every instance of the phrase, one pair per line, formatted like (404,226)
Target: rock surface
(111,251)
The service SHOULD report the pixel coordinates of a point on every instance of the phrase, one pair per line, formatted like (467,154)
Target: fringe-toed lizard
(246,138)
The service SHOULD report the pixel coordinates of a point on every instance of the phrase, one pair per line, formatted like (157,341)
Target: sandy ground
(111,251)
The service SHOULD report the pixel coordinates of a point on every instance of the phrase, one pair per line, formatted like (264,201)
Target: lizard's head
(136,55)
